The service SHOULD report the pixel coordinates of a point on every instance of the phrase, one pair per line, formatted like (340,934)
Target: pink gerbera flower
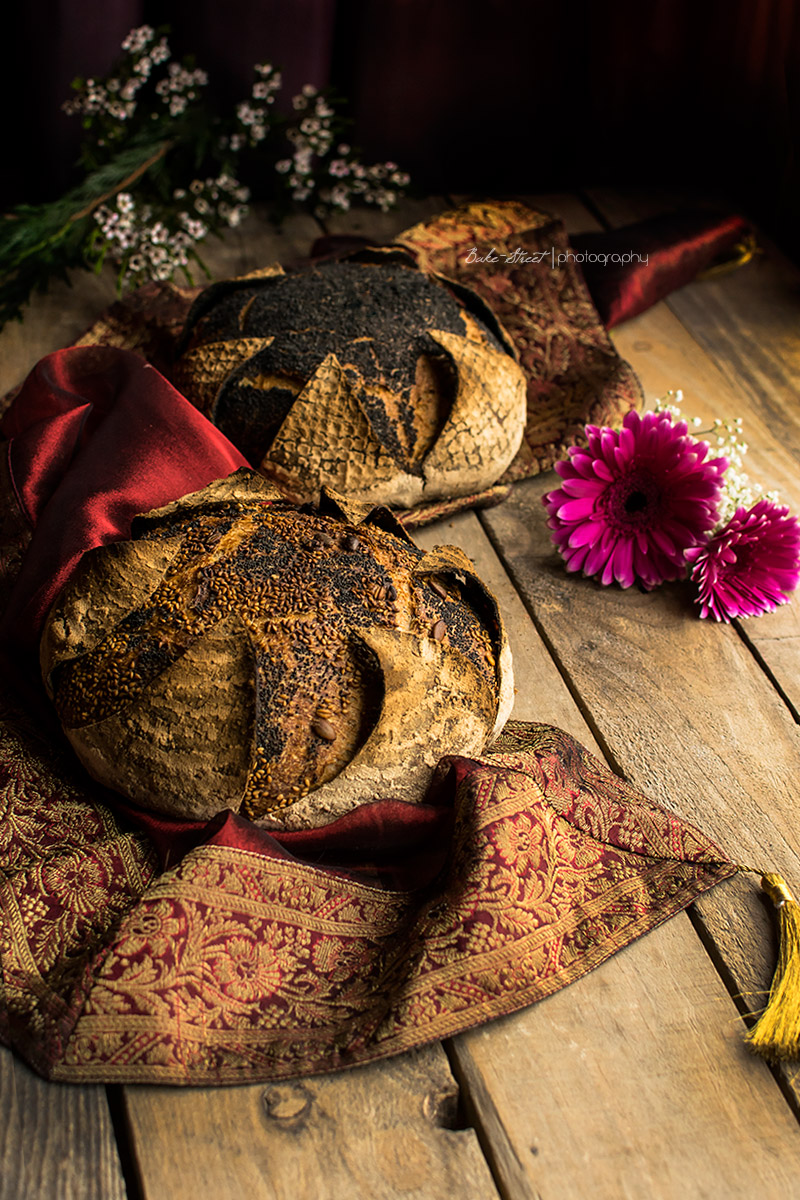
(634,500)
(749,566)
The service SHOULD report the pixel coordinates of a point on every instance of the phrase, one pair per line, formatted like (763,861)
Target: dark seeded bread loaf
(283,662)
(370,378)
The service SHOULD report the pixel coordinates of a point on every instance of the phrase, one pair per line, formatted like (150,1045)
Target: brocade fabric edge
(234,967)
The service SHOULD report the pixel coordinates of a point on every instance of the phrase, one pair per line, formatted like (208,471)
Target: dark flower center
(635,502)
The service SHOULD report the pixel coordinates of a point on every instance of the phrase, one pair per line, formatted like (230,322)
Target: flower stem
(163,149)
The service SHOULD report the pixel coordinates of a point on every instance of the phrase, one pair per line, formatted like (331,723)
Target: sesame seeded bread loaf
(367,377)
(287,663)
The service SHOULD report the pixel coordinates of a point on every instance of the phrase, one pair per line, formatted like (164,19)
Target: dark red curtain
(475,95)
(538,96)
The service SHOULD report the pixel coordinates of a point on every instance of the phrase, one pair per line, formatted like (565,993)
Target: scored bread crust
(369,378)
(286,663)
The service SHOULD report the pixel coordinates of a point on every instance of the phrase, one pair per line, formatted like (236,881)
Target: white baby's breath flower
(160,52)
(738,490)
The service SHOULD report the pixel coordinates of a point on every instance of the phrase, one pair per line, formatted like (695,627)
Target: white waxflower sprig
(163,171)
(147,246)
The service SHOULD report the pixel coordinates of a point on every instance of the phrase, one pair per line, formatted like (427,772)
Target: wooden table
(633,1082)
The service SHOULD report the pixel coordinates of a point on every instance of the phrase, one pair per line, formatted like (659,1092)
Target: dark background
(496,96)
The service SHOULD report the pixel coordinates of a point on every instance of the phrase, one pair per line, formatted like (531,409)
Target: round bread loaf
(287,663)
(366,377)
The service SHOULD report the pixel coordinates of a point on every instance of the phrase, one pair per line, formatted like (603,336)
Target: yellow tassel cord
(777,1035)
(739,254)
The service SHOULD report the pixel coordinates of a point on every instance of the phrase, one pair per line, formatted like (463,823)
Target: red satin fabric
(653,258)
(96,435)
(389,842)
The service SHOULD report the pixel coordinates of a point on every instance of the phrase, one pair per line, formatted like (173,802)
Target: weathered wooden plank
(56,1140)
(632,1082)
(589,1090)
(673,336)
(667,352)
(375,1133)
(380,226)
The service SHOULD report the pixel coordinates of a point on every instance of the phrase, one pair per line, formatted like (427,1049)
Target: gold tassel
(739,254)
(776,1036)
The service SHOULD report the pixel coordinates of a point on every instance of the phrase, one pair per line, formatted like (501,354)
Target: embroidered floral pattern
(235,966)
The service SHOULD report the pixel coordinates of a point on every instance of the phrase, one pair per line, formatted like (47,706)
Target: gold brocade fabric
(234,966)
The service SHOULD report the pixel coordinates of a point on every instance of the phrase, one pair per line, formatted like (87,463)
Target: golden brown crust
(286,663)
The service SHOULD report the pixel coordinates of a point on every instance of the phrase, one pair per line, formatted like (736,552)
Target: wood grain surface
(56,1141)
(568,1075)
(387,1130)
(747,321)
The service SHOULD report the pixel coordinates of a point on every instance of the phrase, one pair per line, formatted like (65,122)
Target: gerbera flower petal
(585,534)
(576,510)
(623,563)
(750,565)
(595,560)
(663,541)
(634,500)
(582,487)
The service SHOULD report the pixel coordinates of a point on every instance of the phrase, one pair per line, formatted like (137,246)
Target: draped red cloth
(220,953)
(628,270)
(96,436)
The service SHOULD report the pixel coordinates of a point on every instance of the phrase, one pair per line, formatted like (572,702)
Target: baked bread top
(370,378)
(286,662)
